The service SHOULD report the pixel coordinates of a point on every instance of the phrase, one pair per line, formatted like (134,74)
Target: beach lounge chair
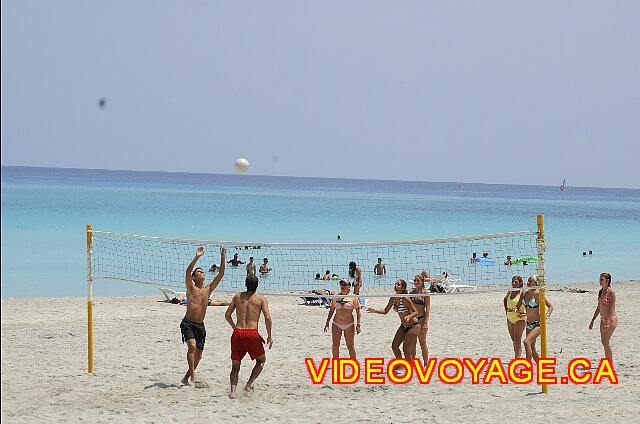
(452,285)
(171,294)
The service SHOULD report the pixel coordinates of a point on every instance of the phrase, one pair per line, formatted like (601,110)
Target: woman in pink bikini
(343,321)
(607,310)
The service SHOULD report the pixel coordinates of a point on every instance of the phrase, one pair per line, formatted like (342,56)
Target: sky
(508,92)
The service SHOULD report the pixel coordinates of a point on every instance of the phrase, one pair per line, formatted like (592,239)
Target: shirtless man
(246,339)
(251,267)
(264,268)
(380,269)
(235,261)
(192,325)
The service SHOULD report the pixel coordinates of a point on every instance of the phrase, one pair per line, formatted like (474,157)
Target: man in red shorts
(246,339)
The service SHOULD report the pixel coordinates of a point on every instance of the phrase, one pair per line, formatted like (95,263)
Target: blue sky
(411,90)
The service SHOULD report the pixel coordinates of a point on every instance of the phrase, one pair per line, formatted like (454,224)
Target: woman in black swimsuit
(407,333)
(423,306)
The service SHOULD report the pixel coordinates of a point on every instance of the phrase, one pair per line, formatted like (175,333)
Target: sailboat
(461,186)
(563,186)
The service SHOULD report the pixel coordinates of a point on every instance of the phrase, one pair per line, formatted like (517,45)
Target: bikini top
(605,299)
(532,303)
(419,300)
(344,305)
(400,308)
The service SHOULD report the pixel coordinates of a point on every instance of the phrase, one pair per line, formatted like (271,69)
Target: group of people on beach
(248,306)
(521,306)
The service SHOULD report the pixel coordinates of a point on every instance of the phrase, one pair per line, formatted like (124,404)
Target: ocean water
(45,211)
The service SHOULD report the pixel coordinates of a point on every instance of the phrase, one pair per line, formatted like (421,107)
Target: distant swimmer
(317,276)
(214,268)
(339,238)
(192,325)
(251,267)
(508,261)
(235,261)
(380,268)
(264,268)
(248,306)
(102,102)
(327,275)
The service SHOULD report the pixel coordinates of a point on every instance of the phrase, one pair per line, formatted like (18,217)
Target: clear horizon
(305,176)
(496,92)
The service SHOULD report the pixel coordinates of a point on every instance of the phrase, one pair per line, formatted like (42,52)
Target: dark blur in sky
(493,91)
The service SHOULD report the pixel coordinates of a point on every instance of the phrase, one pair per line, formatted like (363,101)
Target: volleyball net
(483,261)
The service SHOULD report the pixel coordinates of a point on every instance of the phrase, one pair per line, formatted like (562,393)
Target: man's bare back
(248,306)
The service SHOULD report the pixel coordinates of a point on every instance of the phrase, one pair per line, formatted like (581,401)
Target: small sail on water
(563,186)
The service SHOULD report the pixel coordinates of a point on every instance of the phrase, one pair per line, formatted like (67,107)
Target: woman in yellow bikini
(516,316)
(607,310)
(343,323)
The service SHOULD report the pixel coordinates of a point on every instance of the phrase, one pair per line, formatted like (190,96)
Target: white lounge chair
(451,285)
(171,294)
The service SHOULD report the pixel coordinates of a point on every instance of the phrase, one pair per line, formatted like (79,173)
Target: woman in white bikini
(607,310)
(423,306)
(407,333)
(343,323)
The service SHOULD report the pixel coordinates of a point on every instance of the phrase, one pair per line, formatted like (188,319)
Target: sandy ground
(139,360)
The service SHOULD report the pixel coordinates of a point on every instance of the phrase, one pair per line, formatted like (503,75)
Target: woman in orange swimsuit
(423,306)
(407,333)
(516,316)
(343,321)
(607,310)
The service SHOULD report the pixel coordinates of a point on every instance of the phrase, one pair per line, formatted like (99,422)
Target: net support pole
(89,300)
(543,302)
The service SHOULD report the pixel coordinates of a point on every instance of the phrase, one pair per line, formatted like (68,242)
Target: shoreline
(551,287)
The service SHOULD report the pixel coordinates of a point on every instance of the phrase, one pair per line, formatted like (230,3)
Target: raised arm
(218,278)
(267,321)
(230,309)
(188,280)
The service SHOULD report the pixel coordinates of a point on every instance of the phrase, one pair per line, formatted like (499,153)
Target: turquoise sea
(45,211)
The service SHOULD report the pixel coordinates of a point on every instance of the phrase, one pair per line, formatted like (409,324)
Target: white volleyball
(241,165)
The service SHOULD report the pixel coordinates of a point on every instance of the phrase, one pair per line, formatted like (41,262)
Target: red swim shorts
(246,340)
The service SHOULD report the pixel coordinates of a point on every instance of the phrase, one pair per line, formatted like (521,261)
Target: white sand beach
(139,361)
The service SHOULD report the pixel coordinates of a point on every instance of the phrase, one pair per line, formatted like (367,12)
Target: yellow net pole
(543,303)
(89,300)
